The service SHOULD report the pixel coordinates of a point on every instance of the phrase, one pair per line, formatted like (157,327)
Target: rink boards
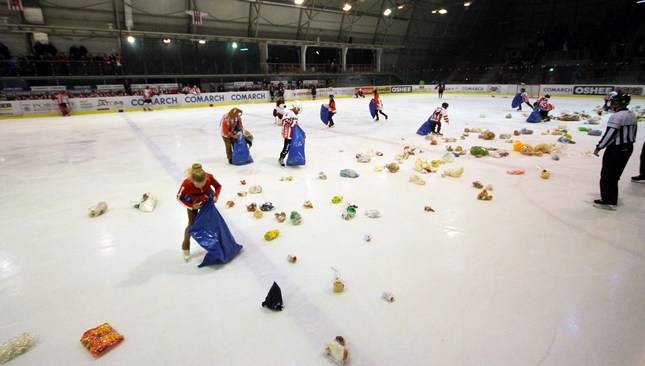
(43,108)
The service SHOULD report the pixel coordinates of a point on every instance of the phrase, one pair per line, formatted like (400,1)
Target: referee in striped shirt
(619,141)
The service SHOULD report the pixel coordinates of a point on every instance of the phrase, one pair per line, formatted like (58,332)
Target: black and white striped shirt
(621,129)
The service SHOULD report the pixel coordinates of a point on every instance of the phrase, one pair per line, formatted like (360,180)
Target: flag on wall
(198,16)
(14,5)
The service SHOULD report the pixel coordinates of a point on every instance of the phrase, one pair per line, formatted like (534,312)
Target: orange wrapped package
(101,339)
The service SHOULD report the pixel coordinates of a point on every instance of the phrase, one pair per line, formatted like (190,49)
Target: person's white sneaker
(186,255)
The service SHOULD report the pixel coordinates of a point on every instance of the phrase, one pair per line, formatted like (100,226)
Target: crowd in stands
(46,60)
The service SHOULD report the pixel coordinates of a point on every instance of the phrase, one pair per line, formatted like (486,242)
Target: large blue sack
(297,149)
(241,153)
(516,101)
(211,232)
(535,116)
(372,108)
(425,128)
(324,114)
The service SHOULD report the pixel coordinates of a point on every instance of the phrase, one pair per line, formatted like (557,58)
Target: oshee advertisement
(401,89)
(592,90)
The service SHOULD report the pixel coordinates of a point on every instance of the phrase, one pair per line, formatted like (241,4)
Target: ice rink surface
(537,276)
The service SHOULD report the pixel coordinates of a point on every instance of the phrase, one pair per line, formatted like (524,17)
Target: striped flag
(198,16)
(14,5)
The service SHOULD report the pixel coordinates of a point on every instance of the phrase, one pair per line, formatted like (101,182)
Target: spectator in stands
(313,91)
(195,90)
(186,89)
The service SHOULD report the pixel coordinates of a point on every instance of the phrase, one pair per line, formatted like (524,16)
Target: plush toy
(363,158)
(478,151)
(15,347)
(322,176)
(292,258)
(295,218)
(252,207)
(280,216)
(545,174)
(98,210)
(241,194)
(337,199)
(101,339)
(266,207)
(392,167)
(373,214)
(255,190)
(417,180)
(147,203)
(273,299)
(454,173)
(484,195)
(230,204)
(477,184)
(308,204)
(487,135)
(271,234)
(337,351)
(349,173)
(258,214)
(428,209)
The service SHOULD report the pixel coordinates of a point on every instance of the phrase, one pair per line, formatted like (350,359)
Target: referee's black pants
(613,163)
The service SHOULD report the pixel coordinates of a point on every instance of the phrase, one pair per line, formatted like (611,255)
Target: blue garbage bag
(324,114)
(241,153)
(516,101)
(211,233)
(297,149)
(372,108)
(535,116)
(426,127)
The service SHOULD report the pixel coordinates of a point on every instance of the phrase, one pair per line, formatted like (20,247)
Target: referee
(619,140)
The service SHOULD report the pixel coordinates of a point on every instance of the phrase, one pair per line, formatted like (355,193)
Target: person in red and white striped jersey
(618,142)
(437,116)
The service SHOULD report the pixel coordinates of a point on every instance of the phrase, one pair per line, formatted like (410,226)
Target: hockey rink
(537,276)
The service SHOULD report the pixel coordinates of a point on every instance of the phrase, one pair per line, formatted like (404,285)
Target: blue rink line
(317,325)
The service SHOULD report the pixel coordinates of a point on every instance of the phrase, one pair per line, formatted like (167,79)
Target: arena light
(234,45)
(202,41)
(467,3)
(442,11)
(166,40)
(434,12)
(244,49)
(400,7)
(298,2)
(347,7)
(387,12)
(130,39)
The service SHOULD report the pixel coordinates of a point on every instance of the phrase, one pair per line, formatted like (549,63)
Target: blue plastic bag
(297,149)
(372,108)
(241,153)
(535,116)
(426,127)
(324,114)
(517,100)
(210,231)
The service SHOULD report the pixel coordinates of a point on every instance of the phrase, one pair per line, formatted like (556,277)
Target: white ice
(537,276)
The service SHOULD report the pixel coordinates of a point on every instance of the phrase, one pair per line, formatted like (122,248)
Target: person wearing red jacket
(194,193)
(231,126)
(332,110)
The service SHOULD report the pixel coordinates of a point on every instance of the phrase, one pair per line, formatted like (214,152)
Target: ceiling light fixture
(387,12)
(347,7)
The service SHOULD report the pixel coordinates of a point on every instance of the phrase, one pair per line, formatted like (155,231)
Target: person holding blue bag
(231,130)
(194,192)
(289,124)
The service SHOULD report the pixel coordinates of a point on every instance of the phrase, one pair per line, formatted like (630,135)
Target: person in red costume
(193,194)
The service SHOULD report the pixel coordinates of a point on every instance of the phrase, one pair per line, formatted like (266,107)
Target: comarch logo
(248,96)
(558,89)
(156,101)
(204,98)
